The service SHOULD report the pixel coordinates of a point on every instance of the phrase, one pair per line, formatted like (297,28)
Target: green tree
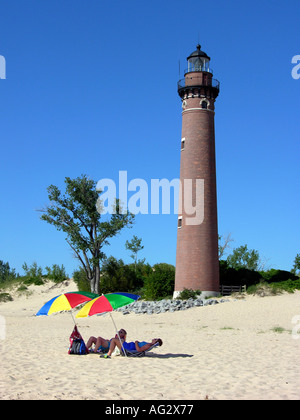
(242,257)
(160,282)
(134,246)
(6,273)
(296,266)
(81,280)
(77,213)
(117,276)
(223,244)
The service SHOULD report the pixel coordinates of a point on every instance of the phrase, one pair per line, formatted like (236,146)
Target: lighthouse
(197,263)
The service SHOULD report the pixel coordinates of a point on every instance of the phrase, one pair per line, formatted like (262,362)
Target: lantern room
(198,61)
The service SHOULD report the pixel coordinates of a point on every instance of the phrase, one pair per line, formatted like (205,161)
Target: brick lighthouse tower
(197,264)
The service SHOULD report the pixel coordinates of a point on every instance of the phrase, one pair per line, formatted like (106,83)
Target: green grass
(227,328)
(278,330)
(5,297)
(271,289)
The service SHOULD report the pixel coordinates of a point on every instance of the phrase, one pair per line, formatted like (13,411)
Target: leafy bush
(273,276)
(160,282)
(117,276)
(230,276)
(33,274)
(56,273)
(142,271)
(267,289)
(288,285)
(189,294)
(242,276)
(81,280)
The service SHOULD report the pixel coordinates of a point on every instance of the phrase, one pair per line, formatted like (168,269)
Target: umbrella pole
(73,318)
(118,334)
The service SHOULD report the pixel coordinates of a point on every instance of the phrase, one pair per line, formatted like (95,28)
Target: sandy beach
(241,349)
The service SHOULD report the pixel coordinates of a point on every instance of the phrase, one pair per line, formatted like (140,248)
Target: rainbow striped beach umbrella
(106,303)
(66,302)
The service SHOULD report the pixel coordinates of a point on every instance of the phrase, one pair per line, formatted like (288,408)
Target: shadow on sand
(168,355)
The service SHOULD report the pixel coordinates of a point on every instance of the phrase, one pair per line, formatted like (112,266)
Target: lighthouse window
(182,143)
(179,222)
(204,105)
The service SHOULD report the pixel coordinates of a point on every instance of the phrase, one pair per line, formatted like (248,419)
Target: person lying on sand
(134,345)
(103,345)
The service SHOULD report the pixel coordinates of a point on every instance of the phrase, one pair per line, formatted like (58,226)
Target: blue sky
(91,88)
